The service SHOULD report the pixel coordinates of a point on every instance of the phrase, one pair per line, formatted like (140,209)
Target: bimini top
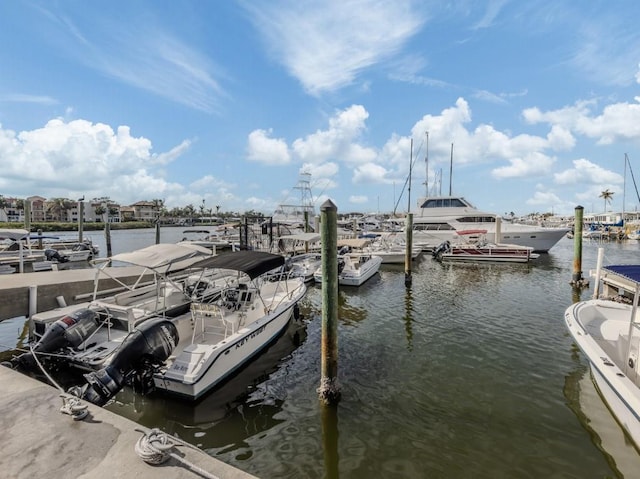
(252,263)
(13,234)
(628,271)
(165,256)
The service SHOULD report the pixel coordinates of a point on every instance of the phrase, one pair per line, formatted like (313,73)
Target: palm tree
(57,207)
(607,195)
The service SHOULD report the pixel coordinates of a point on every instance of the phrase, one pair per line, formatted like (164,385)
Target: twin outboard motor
(69,331)
(152,342)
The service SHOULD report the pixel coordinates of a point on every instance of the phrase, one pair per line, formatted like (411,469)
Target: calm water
(469,373)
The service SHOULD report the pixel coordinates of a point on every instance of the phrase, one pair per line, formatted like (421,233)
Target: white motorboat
(212,240)
(354,268)
(392,248)
(303,265)
(159,288)
(607,331)
(192,353)
(437,218)
(472,246)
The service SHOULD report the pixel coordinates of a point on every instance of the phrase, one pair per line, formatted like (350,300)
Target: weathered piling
(27,215)
(107,238)
(329,391)
(81,221)
(577,280)
(157,232)
(409,248)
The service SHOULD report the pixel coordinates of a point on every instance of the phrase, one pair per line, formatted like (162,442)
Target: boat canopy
(13,234)
(252,263)
(160,256)
(353,242)
(306,237)
(628,271)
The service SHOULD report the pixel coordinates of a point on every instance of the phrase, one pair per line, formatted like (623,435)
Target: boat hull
(223,359)
(599,328)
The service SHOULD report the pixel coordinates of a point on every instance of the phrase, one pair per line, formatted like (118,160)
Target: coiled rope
(154,447)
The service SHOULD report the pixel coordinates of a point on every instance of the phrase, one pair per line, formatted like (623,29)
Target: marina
(469,372)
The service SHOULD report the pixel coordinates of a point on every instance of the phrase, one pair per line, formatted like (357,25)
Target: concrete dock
(71,284)
(39,441)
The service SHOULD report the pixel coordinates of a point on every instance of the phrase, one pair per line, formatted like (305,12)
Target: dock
(73,285)
(38,440)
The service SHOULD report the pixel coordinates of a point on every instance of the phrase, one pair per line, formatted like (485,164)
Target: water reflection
(408,317)
(244,406)
(329,417)
(594,416)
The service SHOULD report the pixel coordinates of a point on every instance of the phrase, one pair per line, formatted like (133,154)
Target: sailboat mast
(450,169)
(426,163)
(409,189)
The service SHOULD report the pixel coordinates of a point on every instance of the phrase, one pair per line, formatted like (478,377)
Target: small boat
(157,289)
(607,331)
(212,240)
(475,248)
(7,269)
(354,267)
(192,353)
(392,248)
(303,265)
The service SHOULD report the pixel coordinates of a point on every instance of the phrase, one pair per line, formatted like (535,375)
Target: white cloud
(586,172)
(263,149)
(358,199)
(326,45)
(76,158)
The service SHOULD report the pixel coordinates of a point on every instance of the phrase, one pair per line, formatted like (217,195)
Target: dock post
(39,238)
(157,232)
(27,215)
(409,249)
(80,221)
(577,280)
(107,238)
(33,307)
(329,391)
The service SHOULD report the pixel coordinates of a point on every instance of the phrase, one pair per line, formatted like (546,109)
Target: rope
(71,405)
(154,447)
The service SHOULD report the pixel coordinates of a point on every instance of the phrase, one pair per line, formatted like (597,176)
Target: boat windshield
(449,202)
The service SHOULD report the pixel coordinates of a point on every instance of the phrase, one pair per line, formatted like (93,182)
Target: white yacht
(437,218)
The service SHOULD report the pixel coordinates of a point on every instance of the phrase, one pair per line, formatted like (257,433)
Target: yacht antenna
(450,169)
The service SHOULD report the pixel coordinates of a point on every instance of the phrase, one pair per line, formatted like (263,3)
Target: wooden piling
(107,238)
(576,279)
(329,391)
(409,248)
(27,215)
(157,232)
(81,222)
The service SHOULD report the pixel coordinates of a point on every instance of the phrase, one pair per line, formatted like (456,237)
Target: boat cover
(13,234)
(628,271)
(163,255)
(252,263)
(307,237)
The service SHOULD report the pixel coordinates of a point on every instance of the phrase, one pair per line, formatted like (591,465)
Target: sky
(520,107)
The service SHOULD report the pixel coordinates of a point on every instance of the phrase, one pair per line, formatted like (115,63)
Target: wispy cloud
(23,98)
(325,45)
(148,57)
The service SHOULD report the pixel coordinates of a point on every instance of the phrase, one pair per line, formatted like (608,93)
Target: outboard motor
(442,248)
(153,341)
(69,331)
(54,255)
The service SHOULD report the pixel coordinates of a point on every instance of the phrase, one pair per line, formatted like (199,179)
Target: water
(468,373)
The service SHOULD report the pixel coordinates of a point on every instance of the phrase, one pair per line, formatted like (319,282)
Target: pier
(40,441)
(73,285)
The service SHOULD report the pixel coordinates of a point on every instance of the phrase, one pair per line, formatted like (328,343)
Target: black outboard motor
(153,341)
(69,331)
(54,255)
(442,248)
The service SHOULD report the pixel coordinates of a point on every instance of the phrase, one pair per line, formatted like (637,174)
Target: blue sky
(228,101)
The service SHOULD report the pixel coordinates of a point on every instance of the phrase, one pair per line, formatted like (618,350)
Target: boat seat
(210,320)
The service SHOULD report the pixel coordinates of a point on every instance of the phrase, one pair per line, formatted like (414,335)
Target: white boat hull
(600,328)
(185,377)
